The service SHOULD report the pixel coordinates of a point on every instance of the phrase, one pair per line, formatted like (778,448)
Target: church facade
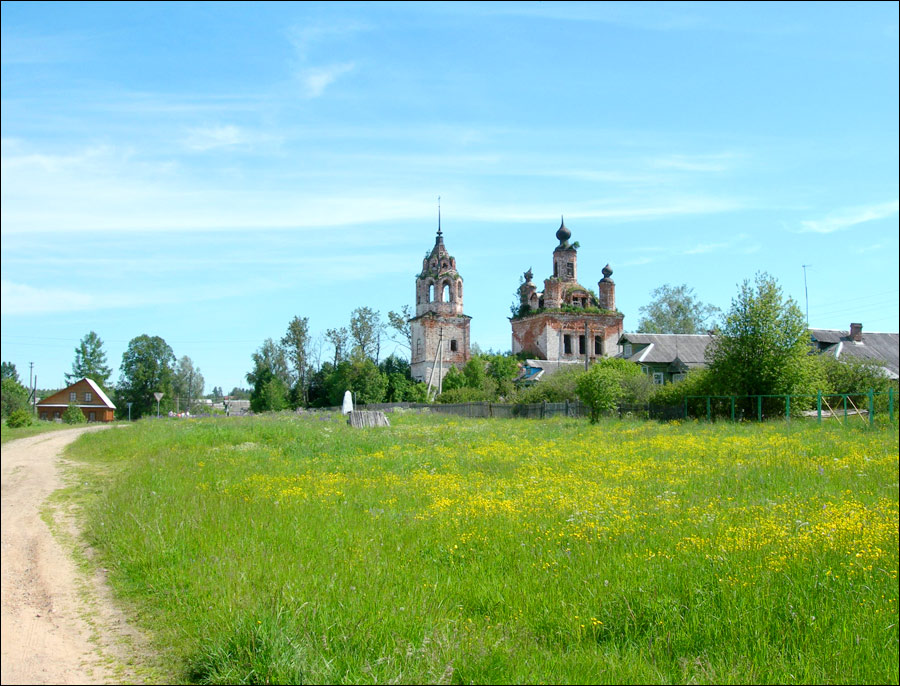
(439,333)
(566,322)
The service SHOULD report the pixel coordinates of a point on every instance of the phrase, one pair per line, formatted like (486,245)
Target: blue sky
(205,172)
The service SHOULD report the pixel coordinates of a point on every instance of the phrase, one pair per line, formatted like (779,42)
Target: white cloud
(845,218)
(210,137)
(316,79)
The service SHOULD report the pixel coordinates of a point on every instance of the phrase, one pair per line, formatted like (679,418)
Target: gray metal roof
(877,347)
(664,348)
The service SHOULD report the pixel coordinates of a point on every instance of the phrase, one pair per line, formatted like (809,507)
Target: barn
(89,397)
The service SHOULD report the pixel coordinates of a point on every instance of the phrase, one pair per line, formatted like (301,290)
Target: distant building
(440,331)
(882,348)
(566,322)
(89,397)
(667,357)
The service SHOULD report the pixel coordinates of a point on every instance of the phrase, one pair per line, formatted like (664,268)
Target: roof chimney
(856,332)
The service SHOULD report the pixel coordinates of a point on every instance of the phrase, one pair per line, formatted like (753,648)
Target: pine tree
(90,362)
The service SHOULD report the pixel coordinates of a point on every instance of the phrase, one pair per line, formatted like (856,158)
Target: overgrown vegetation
(268,550)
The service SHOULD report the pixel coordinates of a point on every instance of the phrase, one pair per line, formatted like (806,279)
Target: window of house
(43,415)
(678,377)
(598,345)
(659,378)
(567,344)
(73,396)
(88,397)
(418,347)
(56,415)
(581,345)
(628,350)
(570,270)
(453,345)
(92,417)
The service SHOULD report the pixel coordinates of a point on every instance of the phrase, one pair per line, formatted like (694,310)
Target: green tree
(605,384)
(13,395)
(365,332)
(187,383)
(148,367)
(399,322)
(338,339)
(74,415)
(361,377)
(675,309)
(557,386)
(296,345)
(763,347)
(8,371)
(269,362)
(90,362)
(453,379)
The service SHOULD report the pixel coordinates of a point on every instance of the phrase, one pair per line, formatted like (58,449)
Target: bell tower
(440,330)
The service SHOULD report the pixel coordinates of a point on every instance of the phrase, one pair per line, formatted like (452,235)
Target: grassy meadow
(296,549)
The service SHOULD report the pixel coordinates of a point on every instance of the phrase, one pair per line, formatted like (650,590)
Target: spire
(439,217)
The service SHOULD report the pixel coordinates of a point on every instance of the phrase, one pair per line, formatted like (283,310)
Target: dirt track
(54,631)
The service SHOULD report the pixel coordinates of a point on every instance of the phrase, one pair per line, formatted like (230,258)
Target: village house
(882,348)
(86,394)
(668,357)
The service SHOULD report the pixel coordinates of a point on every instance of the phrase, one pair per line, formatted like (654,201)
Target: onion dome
(563,234)
(607,272)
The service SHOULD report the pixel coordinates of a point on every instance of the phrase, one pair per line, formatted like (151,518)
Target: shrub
(18,419)
(74,415)
(604,385)
(556,387)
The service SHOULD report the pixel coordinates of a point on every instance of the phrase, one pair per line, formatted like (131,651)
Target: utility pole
(806,293)
(587,360)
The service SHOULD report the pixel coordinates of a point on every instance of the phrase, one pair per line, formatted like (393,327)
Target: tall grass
(446,550)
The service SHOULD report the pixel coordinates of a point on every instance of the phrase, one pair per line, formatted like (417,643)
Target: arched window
(429,294)
(445,292)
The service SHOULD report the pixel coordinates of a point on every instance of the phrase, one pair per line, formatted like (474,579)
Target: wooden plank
(366,418)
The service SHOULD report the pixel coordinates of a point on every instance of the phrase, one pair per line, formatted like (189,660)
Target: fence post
(787,407)
(732,408)
(708,414)
(759,408)
(819,405)
(685,407)
(567,408)
(845,408)
(543,405)
(871,407)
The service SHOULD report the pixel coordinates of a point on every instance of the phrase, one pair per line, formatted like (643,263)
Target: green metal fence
(840,406)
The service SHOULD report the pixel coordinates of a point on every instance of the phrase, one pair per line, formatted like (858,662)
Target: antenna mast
(806,293)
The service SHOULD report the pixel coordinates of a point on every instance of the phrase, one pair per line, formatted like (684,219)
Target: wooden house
(89,397)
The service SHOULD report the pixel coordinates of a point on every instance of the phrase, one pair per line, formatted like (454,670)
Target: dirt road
(58,625)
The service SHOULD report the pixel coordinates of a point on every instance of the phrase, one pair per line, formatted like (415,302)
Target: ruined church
(563,323)
(566,322)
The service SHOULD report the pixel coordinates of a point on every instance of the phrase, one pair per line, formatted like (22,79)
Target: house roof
(874,346)
(104,399)
(665,348)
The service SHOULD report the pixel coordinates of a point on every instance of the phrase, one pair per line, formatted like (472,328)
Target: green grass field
(276,550)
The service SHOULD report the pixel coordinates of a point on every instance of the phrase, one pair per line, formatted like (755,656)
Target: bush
(604,385)
(557,387)
(74,415)
(18,419)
